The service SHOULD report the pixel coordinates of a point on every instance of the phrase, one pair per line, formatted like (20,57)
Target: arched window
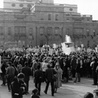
(49,16)
(56,17)
(42,30)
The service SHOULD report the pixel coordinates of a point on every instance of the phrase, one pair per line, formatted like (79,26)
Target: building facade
(38,22)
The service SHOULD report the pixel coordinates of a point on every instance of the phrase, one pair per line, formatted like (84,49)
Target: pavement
(68,90)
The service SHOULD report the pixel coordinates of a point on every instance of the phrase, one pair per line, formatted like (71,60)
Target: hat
(20,75)
(35,91)
(88,95)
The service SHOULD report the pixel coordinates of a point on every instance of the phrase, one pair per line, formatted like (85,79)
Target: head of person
(57,65)
(26,64)
(48,66)
(35,91)
(20,76)
(88,95)
(39,66)
(9,64)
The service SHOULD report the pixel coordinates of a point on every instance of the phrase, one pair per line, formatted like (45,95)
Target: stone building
(38,22)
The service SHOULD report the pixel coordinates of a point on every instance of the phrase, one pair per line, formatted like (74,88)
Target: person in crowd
(10,73)
(38,78)
(49,74)
(27,72)
(58,82)
(88,95)
(77,74)
(94,65)
(3,74)
(65,72)
(18,86)
(44,65)
(35,64)
(35,93)
(73,65)
(19,67)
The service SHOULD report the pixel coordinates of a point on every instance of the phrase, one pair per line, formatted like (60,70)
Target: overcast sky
(89,7)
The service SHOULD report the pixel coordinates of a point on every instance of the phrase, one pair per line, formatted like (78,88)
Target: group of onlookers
(52,69)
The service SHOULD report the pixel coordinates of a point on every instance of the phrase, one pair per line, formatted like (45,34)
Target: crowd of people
(55,68)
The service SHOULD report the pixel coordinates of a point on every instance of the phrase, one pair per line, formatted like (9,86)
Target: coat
(27,72)
(39,76)
(18,88)
(49,74)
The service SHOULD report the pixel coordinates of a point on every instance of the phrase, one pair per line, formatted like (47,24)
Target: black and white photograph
(48,48)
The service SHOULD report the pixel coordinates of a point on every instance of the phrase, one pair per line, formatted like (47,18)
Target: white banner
(67,49)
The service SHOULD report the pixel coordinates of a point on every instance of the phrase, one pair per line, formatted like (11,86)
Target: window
(57,30)
(67,14)
(30,31)
(88,19)
(29,5)
(49,16)
(1,30)
(42,30)
(67,18)
(9,30)
(20,30)
(13,5)
(56,17)
(49,31)
(71,9)
(21,5)
(41,19)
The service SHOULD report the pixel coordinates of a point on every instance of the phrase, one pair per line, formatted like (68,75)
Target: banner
(67,49)
(68,45)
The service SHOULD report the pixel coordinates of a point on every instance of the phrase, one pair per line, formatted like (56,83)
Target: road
(68,90)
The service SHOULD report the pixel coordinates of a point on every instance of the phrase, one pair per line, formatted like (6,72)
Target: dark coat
(49,74)
(38,75)
(18,87)
(3,68)
(35,96)
(27,72)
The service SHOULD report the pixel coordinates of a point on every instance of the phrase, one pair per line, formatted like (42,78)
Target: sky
(85,7)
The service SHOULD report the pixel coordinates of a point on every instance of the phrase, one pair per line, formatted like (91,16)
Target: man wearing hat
(18,86)
(49,74)
(35,93)
(94,65)
(27,72)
